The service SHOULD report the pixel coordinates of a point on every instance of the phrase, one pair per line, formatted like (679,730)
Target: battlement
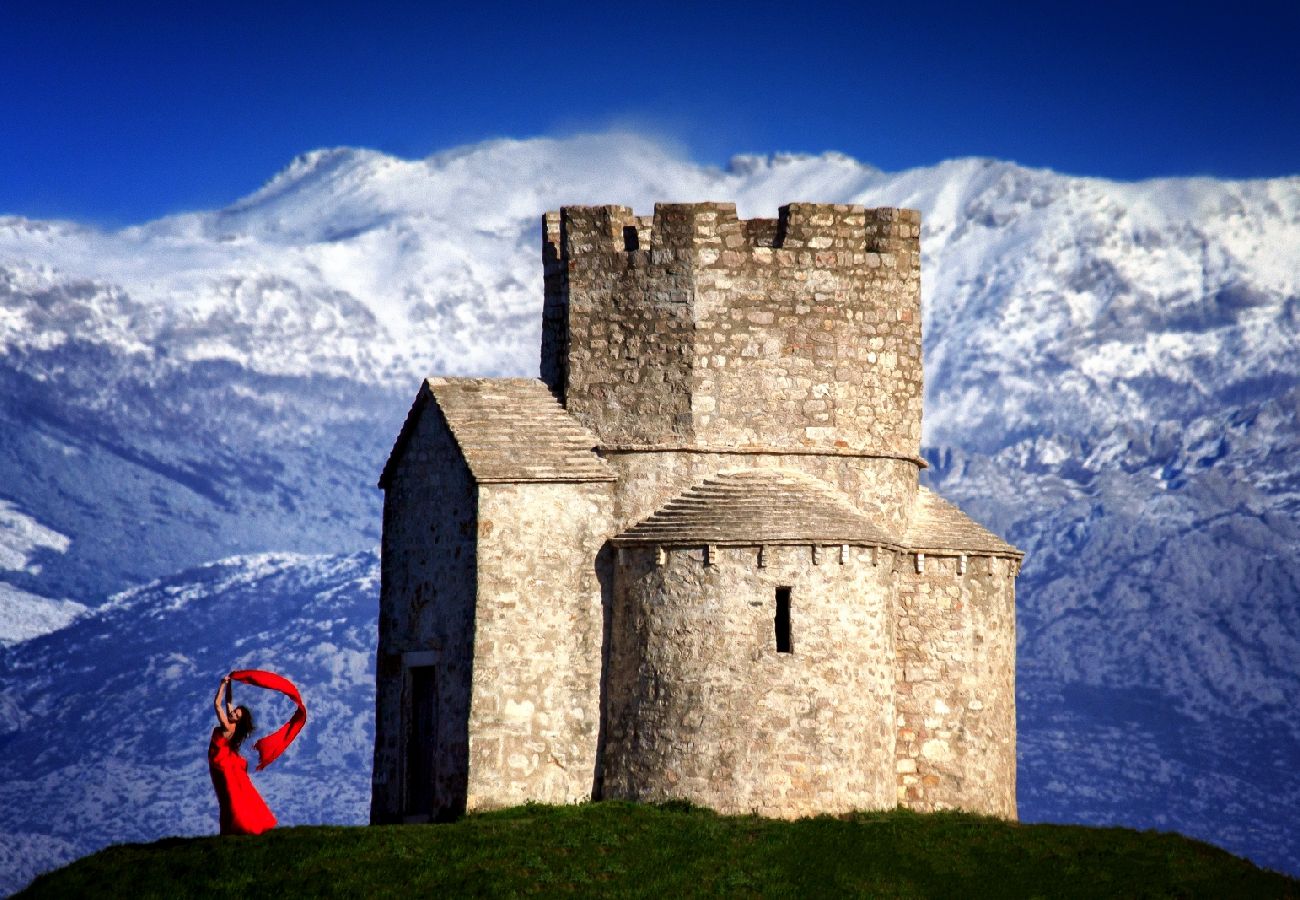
(694,327)
(576,231)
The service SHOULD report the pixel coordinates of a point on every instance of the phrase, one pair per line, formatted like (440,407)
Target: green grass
(623,849)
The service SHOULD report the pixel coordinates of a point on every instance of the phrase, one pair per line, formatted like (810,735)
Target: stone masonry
(694,560)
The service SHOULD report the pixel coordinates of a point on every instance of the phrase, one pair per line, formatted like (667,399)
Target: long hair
(243,728)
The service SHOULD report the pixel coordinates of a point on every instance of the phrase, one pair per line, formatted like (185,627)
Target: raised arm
(223,715)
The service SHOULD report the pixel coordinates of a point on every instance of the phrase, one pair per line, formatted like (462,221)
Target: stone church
(694,560)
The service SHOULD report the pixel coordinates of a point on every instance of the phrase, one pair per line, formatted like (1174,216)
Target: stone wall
(814,341)
(701,706)
(883,488)
(698,328)
(955,641)
(426,613)
(617,326)
(535,714)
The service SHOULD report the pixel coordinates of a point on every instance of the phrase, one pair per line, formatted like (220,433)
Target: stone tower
(693,560)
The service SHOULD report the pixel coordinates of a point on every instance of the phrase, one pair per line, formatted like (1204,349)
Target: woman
(243,811)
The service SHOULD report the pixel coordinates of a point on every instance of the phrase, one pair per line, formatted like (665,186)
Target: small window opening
(783,620)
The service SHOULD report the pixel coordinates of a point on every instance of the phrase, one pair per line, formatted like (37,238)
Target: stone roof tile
(938,525)
(755,507)
(509,430)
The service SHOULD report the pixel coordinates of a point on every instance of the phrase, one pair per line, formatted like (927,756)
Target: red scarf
(271,746)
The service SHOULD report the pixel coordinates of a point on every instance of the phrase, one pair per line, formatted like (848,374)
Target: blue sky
(117,113)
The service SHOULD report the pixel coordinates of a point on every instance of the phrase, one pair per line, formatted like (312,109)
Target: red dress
(243,811)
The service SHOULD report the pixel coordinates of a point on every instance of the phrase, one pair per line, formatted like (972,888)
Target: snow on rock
(24,616)
(24,540)
(21,537)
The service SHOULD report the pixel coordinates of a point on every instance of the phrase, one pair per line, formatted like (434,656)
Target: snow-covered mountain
(1112,382)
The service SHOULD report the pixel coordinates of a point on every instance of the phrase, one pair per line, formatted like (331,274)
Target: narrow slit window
(783,644)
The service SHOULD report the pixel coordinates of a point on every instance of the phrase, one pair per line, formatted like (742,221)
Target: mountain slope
(104,724)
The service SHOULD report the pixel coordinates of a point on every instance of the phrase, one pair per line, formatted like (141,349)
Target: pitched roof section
(754,507)
(509,430)
(937,526)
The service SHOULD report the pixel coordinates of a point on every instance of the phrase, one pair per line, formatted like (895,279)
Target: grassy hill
(623,849)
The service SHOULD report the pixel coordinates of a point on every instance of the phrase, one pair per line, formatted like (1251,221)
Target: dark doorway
(783,644)
(421,741)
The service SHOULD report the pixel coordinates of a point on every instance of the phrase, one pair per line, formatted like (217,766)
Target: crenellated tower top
(695,328)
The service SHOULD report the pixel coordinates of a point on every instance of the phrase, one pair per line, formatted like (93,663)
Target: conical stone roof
(939,526)
(755,507)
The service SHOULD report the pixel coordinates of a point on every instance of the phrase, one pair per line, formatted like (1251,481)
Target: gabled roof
(753,507)
(937,526)
(508,429)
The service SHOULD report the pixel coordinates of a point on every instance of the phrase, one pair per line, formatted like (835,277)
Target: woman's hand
(223,715)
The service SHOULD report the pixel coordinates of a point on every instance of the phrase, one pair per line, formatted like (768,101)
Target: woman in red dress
(243,811)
